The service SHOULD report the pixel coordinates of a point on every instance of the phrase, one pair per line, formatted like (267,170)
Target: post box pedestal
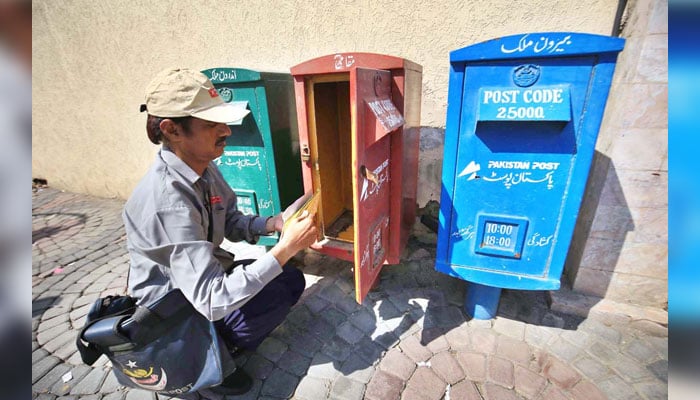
(481,301)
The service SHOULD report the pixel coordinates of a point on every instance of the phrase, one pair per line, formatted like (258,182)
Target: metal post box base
(481,301)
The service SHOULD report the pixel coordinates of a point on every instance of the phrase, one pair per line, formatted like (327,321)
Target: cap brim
(226,113)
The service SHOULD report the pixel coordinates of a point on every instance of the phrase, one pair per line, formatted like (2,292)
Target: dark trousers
(248,326)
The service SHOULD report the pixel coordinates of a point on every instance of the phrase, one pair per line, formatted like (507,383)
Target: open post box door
(375,116)
(358,116)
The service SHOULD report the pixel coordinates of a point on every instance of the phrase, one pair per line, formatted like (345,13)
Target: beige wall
(620,247)
(92,60)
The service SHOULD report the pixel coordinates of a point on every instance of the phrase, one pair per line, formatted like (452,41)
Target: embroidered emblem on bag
(145,378)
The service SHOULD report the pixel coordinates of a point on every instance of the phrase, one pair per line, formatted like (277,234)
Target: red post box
(359,118)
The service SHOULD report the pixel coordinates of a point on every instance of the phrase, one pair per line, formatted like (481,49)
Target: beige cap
(177,92)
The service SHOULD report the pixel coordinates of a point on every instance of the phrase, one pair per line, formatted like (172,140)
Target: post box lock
(305,152)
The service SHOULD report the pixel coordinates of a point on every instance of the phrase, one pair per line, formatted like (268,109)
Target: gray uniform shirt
(167,224)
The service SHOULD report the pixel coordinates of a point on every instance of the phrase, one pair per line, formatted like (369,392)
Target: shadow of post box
(522,121)
(359,116)
(261,158)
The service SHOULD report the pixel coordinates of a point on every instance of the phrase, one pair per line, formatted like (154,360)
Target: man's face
(204,143)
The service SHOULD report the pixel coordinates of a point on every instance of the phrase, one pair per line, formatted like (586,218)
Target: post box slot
(527,136)
(333,158)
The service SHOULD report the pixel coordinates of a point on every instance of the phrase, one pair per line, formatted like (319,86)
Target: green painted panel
(248,163)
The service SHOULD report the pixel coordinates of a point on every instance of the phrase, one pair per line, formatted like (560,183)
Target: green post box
(261,157)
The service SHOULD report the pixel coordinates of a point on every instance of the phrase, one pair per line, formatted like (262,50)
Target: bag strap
(90,353)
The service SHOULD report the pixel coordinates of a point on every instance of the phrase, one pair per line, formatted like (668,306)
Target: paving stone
(347,389)
(493,391)
(140,395)
(553,393)
(45,335)
(412,347)
(514,350)
(617,389)
(563,349)
(500,371)
(305,344)
(110,384)
(368,350)
(337,348)
(434,340)
(57,342)
(447,317)
(553,321)
(357,369)
(117,396)
(398,364)
(473,365)
(345,286)
(49,379)
(333,316)
(383,386)
(90,383)
(312,388)
(294,363)
(585,390)
(387,339)
(528,383)
(38,354)
(641,351)
(659,369)
(272,349)
(427,382)
(349,332)
(332,294)
(44,396)
(458,337)
(316,304)
(279,384)
(592,368)
(483,341)
(42,367)
(652,390)
(91,397)
(78,372)
(364,321)
(258,367)
(384,309)
(347,305)
(321,329)
(508,327)
(55,321)
(629,369)
(560,373)
(447,368)
(601,330)
(323,367)
(465,390)
(67,350)
(602,351)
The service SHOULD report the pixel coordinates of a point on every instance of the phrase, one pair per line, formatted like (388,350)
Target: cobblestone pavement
(410,339)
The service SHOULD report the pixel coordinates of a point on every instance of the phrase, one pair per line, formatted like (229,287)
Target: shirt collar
(179,166)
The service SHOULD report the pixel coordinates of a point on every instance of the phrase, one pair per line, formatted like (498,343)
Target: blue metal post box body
(522,121)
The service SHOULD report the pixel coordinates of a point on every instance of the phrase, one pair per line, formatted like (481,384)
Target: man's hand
(301,233)
(274,224)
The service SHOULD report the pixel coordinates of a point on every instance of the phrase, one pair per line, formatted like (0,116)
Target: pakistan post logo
(145,378)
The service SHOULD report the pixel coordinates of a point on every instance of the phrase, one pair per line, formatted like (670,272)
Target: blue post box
(522,121)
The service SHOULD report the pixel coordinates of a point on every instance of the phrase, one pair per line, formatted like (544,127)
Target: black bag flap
(105,333)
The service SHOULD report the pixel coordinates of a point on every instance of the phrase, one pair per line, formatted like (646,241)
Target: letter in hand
(308,202)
